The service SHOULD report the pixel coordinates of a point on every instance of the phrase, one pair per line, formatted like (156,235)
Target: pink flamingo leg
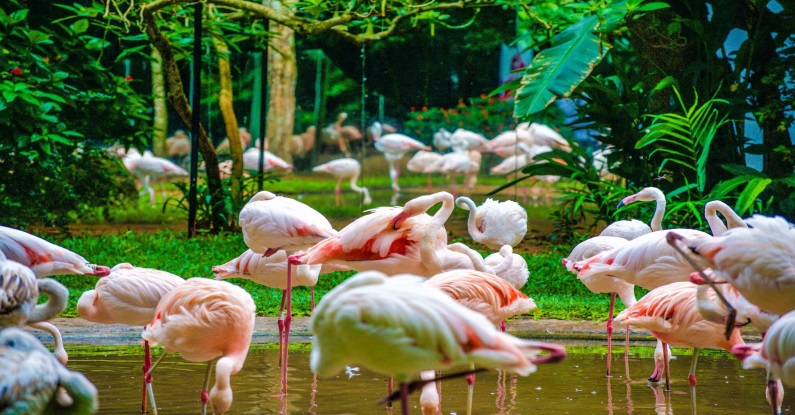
(667,368)
(280,324)
(502,326)
(147,376)
(338,192)
(389,387)
(691,377)
(610,331)
(312,299)
(287,320)
(404,398)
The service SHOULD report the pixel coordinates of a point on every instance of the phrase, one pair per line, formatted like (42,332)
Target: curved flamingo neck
(659,211)
(420,205)
(472,226)
(716,225)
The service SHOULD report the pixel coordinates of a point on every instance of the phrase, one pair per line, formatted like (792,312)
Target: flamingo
(398,327)
(716,226)
(633,228)
(441,139)
(271,161)
(19,291)
(508,266)
(394,146)
(148,168)
(345,168)
(271,223)
(128,295)
(33,381)
(485,293)
(546,136)
(758,261)
(670,314)
(505,143)
(471,176)
(43,257)
(451,164)
(204,319)
(393,240)
(467,140)
(776,353)
(517,161)
(421,161)
(178,145)
(494,223)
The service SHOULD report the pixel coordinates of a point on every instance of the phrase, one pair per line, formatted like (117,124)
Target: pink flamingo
(128,295)
(43,257)
(394,240)
(341,169)
(148,168)
(202,320)
(394,146)
(485,293)
(421,162)
(271,223)
(633,228)
(757,261)
(270,163)
(495,223)
(670,314)
(397,326)
(508,266)
(451,164)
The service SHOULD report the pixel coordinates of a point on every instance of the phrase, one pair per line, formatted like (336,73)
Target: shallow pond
(576,386)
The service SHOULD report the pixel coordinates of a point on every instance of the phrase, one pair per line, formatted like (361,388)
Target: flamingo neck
(716,225)
(659,211)
(428,252)
(472,226)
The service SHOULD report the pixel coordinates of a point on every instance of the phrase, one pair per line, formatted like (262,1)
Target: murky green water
(574,386)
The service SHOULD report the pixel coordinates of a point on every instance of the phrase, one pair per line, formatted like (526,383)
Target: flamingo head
(99,270)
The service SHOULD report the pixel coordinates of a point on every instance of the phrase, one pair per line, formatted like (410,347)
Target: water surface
(574,386)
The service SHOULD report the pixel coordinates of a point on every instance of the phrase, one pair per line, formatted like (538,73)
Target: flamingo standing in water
(397,326)
(670,314)
(485,293)
(202,320)
(128,295)
(33,382)
(394,146)
(494,223)
(148,169)
(271,223)
(341,169)
(758,261)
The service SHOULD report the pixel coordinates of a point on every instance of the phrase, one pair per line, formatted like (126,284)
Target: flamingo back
(268,271)
(485,293)
(282,222)
(202,319)
(397,326)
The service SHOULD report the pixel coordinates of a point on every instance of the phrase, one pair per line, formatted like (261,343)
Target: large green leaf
(558,70)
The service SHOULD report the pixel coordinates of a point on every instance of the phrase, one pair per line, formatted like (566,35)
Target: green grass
(557,293)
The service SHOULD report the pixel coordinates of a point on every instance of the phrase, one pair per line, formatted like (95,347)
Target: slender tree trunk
(178,100)
(282,75)
(225,101)
(160,117)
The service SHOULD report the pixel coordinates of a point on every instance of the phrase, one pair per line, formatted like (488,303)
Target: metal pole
(263,115)
(196,116)
(319,57)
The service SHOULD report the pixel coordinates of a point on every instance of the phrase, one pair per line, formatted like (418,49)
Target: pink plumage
(44,258)
(273,222)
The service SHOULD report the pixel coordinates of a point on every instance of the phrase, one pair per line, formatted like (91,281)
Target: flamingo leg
(626,344)
(205,396)
(287,321)
(502,326)
(338,192)
(774,393)
(667,368)
(471,388)
(393,175)
(280,325)
(312,299)
(390,383)
(147,378)
(149,385)
(691,377)
(610,332)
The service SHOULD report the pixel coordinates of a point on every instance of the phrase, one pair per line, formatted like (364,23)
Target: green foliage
(486,115)
(52,91)
(685,139)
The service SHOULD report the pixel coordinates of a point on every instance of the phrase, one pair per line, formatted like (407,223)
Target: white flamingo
(341,169)
(394,146)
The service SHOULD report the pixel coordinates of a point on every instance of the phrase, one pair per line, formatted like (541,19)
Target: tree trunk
(178,100)
(225,101)
(282,75)
(160,116)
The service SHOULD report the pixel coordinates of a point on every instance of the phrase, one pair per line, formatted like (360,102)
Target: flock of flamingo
(417,304)
(463,157)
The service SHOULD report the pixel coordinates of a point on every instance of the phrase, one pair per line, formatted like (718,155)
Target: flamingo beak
(556,353)
(742,351)
(99,270)
(399,219)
